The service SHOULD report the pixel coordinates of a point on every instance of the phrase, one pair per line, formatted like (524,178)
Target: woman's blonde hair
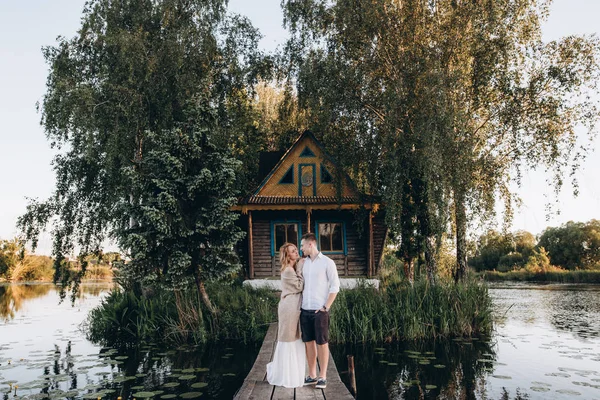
(283,255)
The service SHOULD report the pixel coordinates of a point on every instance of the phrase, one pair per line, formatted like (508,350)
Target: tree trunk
(205,298)
(430,260)
(409,269)
(461,235)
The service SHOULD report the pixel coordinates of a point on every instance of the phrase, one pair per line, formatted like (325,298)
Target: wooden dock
(256,387)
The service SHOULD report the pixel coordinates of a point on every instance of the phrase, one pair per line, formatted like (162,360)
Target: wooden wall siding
(273,188)
(355,263)
(379,236)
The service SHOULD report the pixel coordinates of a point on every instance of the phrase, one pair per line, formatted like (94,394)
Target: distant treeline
(17,265)
(571,246)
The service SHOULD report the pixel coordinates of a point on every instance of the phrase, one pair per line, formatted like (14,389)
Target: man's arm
(334,285)
(330,300)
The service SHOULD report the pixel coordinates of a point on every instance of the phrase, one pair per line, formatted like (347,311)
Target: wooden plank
(259,369)
(245,391)
(308,393)
(262,391)
(335,390)
(346,265)
(256,387)
(281,393)
(371,251)
(250,246)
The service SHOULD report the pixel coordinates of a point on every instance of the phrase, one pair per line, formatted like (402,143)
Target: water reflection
(571,308)
(213,372)
(44,352)
(429,370)
(13,296)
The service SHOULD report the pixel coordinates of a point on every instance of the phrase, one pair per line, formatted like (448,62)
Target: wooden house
(299,195)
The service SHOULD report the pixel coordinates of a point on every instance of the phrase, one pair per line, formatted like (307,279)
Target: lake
(44,352)
(545,345)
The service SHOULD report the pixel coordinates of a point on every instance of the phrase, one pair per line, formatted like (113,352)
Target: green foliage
(398,311)
(502,251)
(539,261)
(141,81)
(177,317)
(184,229)
(401,311)
(573,245)
(17,265)
(510,261)
(553,275)
(437,107)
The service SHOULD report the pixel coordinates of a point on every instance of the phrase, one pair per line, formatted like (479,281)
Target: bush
(404,312)
(177,317)
(510,262)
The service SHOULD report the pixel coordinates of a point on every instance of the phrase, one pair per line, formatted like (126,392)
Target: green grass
(559,276)
(404,312)
(180,317)
(398,311)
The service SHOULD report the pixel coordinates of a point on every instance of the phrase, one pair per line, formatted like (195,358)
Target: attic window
(325,175)
(288,177)
(307,152)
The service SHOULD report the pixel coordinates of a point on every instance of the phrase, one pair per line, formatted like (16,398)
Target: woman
(289,360)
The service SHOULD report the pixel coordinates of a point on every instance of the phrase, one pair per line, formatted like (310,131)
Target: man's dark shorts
(314,326)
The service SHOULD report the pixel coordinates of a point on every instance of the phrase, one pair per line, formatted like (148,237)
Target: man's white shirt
(320,279)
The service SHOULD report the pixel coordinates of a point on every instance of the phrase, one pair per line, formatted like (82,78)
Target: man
(321,285)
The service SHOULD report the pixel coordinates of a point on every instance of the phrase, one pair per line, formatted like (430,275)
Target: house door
(306,183)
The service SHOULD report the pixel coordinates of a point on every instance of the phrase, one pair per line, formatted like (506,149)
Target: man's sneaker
(309,381)
(321,383)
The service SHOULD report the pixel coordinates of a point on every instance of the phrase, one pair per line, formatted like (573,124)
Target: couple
(309,287)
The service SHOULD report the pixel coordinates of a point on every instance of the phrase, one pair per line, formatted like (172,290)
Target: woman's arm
(292,279)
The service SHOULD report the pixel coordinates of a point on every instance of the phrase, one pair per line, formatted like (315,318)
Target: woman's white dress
(289,360)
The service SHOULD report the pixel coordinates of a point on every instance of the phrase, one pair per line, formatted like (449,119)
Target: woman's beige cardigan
(288,311)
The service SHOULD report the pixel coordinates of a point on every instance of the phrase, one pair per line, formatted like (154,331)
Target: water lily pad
(502,377)
(439,366)
(190,395)
(144,395)
(540,388)
(430,387)
(187,377)
(229,374)
(392,363)
(569,392)
(93,396)
(201,369)
(139,387)
(199,385)
(171,384)
(168,396)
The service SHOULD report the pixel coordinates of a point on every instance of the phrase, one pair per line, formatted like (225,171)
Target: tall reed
(405,312)
(180,317)
(398,311)
(559,276)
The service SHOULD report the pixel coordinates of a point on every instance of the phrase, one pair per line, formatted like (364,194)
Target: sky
(25,154)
